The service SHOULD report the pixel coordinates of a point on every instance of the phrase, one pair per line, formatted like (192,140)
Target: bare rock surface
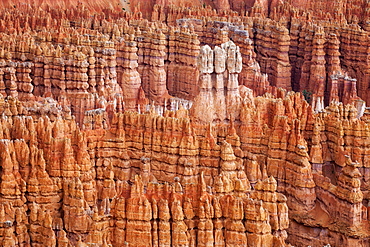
(184,123)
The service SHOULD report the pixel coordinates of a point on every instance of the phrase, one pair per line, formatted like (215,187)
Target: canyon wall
(174,123)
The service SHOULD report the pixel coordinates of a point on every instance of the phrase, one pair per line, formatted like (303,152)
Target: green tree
(307,96)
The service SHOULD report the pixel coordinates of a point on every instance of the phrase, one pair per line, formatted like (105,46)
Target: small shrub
(307,96)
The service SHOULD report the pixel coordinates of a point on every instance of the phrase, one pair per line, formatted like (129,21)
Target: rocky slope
(175,123)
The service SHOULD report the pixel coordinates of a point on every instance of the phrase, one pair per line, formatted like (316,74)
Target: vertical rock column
(24,80)
(41,231)
(139,214)
(235,230)
(157,74)
(182,73)
(75,209)
(130,80)
(109,54)
(205,235)
(332,68)
(304,56)
(119,213)
(251,75)
(58,76)
(38,72)
(2,79)
(293,53)
(88,172)
(77,85)
(275,204)
(203,107)
(47,57)
(91,70)
(257,224)
(349,189)
(42,189)
(164,227)
(272,42)
(355,47)
(281,66)
(317,81)
(220,57)
(306,47)
(340,87)
(218,223)
(10,80)
(234,67)
(151,62)
(180,236)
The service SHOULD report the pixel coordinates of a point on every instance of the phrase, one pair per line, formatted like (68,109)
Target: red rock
(116,130)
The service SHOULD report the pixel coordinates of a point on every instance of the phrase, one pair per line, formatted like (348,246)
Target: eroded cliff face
(232,123)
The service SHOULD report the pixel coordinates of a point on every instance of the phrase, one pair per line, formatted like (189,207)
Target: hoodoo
(184,123)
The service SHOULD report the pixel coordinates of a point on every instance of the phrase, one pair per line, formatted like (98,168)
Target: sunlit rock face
(182,123)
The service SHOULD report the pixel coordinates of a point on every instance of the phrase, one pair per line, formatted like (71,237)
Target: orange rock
(222,154)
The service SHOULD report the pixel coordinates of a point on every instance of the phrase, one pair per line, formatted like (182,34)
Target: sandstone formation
(182,123)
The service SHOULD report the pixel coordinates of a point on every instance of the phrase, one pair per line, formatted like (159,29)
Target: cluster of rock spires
(228,123)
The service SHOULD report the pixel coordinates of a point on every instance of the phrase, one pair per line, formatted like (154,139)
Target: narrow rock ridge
(175,123)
